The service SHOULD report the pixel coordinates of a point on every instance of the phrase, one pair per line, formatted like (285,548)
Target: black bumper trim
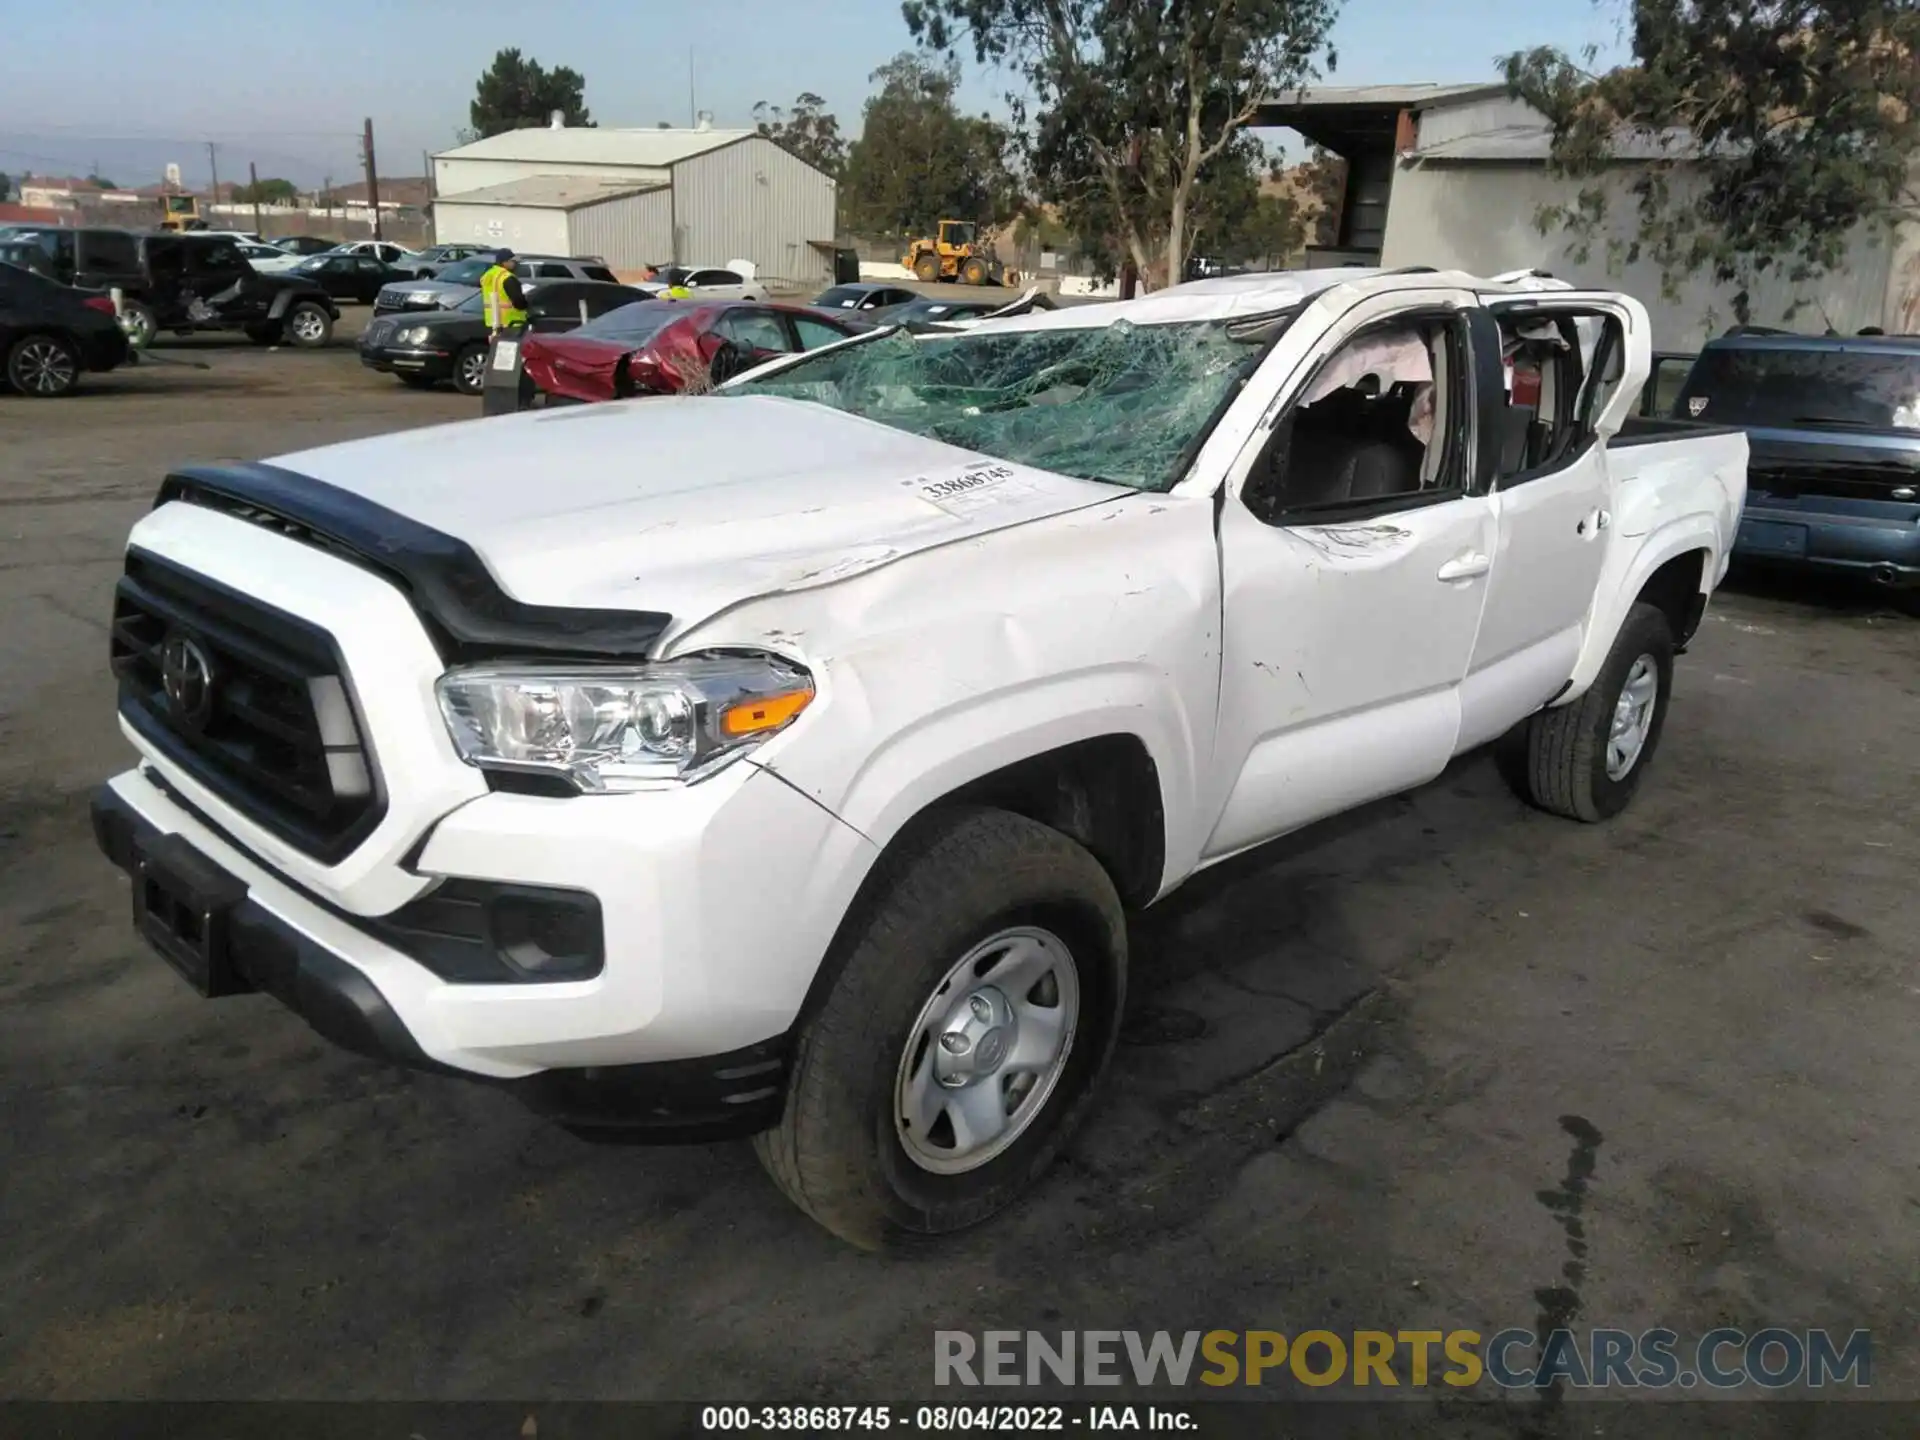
(711,1097)
(465,610)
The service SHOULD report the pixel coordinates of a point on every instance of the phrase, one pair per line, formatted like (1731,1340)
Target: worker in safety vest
(503,302)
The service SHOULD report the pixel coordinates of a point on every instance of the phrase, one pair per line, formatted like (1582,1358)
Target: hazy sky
(286,85)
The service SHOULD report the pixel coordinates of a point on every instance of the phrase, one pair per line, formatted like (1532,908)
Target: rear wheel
(470,369)
(307,325)
(43,366)
(973,1013)
(1584,760)
(926,269)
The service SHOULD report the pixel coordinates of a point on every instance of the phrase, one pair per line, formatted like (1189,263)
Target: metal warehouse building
(640,197)
(1455,176)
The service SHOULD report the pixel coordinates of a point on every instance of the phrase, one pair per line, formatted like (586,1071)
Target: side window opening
(1380,426)
(1562,372)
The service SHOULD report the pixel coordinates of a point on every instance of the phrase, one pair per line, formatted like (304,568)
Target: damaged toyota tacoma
(784,761)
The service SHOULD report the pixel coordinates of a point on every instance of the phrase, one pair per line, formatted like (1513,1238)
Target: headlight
(416,336)
(421,297)
(609,730)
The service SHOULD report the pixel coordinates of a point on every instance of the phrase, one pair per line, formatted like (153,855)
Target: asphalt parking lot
(1362,1072)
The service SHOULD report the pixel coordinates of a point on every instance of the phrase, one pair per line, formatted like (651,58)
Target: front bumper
(392,360)
(1876,540)
(280,942)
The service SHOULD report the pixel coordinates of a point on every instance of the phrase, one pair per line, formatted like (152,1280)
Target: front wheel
(470,369)
(973,1012)
(43,366)
(1584,760)
(138,321)
(307,325)
(975,272)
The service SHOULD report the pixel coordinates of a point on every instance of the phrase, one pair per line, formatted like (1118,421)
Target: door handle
(1595,522)
(1465,567)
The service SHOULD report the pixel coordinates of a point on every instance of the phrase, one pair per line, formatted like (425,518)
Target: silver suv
(462,281)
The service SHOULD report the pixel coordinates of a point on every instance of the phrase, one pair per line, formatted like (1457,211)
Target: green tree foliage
(1764,134)
(919,160)
(1133,100)
(267,192)
(518,94)
(6,184)
(809,130)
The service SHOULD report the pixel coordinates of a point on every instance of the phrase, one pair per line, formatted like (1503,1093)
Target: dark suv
(188,282)
(1833,431)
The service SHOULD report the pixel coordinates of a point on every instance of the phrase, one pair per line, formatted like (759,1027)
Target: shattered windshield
(1123,403)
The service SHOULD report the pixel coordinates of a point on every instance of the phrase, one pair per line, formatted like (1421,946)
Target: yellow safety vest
(500,311)
(679,292)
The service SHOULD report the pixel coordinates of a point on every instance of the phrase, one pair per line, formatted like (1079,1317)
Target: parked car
(425,348)
(305,244)
(51,334)
(427,263)
(709,282)
(26,253)
(349,277)
(382,250)
(461,279)
(1833,426)
(657,347)
(868,301)
(189,281)
(786,760)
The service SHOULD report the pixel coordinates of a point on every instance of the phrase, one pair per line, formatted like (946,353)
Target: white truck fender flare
(1621,581)
(939,752)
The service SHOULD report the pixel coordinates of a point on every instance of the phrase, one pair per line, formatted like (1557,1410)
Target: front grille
(390,300)
(248,700)
(378,332)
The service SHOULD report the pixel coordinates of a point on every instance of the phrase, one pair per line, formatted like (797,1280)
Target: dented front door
(1345,643)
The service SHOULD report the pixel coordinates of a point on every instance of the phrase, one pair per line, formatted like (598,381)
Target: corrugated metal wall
(452,177)
(1476,117)
(519,227)
(1480,218)
(628,233)
(753,201)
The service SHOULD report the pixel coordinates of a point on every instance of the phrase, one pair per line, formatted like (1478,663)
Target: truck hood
(689,504)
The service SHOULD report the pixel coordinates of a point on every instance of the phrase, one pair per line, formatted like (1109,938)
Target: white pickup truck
(784,761)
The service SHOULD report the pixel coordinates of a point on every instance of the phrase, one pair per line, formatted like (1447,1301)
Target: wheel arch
(1674,568)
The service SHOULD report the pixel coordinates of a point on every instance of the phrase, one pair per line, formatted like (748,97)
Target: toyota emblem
(186,674)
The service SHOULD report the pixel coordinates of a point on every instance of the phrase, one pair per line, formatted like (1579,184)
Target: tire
(306,325)
(727,362)
(264,334)
(43,366)
(926,269)
(971,888)
(974,272)
(137,319)
(470,369)
(1564,760)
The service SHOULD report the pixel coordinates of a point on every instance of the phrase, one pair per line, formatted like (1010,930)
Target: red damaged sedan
(662,347)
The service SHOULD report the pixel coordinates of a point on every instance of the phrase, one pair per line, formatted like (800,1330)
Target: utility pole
(253,177)
(373,180)
(213,164)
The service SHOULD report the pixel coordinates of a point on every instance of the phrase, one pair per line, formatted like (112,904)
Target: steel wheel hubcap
(1632,717)
(471,369)
(44,368)
(987,1050)
(139,331)
(307,325)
